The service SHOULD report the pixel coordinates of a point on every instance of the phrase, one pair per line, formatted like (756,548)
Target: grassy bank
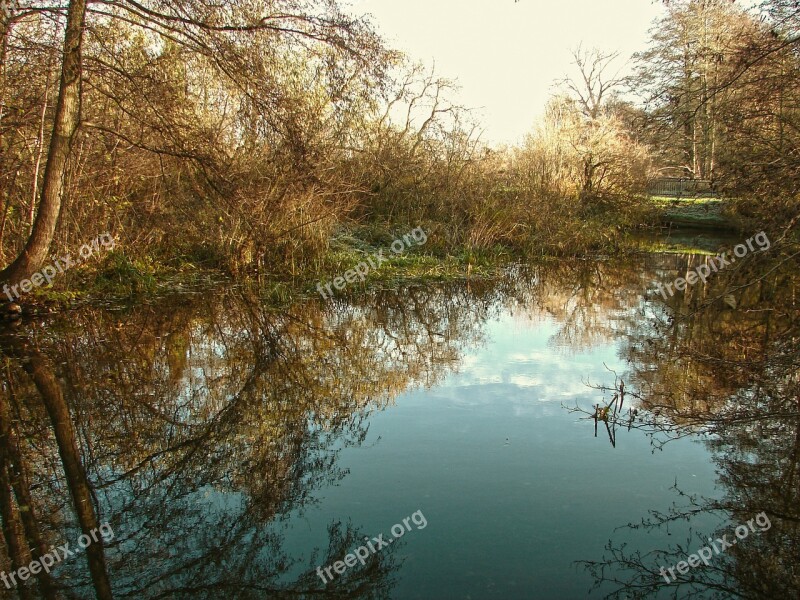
(130,273)
(121,276)
(701,213)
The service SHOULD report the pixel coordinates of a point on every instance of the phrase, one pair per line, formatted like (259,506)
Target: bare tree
(598,79)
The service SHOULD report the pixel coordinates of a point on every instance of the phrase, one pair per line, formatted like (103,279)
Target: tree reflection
(731,375)
(200,424)
(203,423)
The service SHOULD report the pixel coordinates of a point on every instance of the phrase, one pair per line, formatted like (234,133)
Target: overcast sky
(505,54)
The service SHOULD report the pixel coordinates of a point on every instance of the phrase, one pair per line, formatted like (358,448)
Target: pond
(225,447)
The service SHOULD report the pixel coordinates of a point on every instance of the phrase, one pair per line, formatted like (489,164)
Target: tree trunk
(40,148)
(12,529)
(50,390)
(5,31)
(38,367)
(17,475)
(67,118)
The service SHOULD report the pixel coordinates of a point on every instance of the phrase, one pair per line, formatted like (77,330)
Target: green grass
(661,247)
(685,200)
(418,263)
(708,213)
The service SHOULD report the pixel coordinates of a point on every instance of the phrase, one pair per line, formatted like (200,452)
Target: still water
(234,447)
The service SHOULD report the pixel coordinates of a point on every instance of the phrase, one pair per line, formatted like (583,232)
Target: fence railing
(681,187)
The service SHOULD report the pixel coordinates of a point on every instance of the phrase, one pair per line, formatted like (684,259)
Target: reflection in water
(732,376)
(197,425)
(201,424)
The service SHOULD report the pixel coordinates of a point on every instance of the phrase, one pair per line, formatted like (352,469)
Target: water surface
(234,448)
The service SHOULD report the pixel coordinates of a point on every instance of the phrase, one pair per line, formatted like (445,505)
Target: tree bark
(40,144)
(67,119)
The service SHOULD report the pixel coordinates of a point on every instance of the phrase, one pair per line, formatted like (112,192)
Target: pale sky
(506,55)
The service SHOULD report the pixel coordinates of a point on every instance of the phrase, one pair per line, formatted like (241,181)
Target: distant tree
(597,82)
(720,92)
(587,120)
(679,77)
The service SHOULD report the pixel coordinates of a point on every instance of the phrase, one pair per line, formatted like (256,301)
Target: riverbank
(697,213)
(118,279)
